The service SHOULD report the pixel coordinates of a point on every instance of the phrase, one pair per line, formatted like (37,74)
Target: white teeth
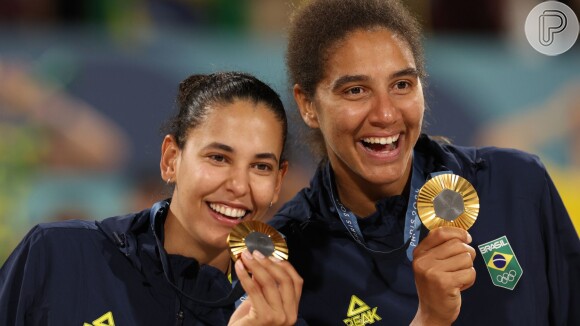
(228,211)
(381,140)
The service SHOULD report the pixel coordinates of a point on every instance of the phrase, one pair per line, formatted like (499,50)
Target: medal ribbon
(234,296)
(412,222)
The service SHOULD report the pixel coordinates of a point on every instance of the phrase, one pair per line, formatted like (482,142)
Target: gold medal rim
(236,239)
(434,187)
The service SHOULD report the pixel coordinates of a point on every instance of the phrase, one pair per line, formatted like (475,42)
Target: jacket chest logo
(501,262)
(104,320)
(359,313)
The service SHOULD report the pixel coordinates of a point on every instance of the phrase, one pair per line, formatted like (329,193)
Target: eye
(402,84)
(263,167)
(355,92)
(217,158)
(402,87)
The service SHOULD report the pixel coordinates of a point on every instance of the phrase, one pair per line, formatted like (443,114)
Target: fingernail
(247,254)
(258,254)
(275,259)
(469,239)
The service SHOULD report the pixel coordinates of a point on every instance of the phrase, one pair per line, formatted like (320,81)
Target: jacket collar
(210,288)
(139,233)
(122,230)
(461,160)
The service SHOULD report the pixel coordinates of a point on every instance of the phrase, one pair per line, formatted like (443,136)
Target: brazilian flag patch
(501,262)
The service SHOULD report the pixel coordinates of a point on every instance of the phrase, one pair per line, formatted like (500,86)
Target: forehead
(374,46)
(242,123)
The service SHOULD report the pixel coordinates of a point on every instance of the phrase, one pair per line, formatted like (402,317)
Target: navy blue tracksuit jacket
(344,284)
(100,273)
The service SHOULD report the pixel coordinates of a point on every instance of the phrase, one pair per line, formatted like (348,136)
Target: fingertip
(449,232)
(257,254)
(247,255)
(239,265)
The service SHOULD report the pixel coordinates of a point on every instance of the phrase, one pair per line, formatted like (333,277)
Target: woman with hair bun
(223,155)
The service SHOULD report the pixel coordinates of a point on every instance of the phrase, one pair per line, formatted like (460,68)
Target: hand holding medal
(272,286)
(440,265)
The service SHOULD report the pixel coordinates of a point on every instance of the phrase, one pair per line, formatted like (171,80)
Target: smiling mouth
(229,212)
(381,144)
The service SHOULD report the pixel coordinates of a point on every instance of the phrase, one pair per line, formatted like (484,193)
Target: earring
(168,181)
(270,205)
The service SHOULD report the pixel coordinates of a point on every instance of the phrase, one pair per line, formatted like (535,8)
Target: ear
(169,154)
(281,173)
(306,107)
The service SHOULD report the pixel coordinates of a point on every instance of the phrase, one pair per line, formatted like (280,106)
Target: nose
(383,111)
(238,182)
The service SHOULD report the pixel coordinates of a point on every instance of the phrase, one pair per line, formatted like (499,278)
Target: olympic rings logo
(507,277)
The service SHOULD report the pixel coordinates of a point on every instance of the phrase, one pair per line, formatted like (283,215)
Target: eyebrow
(347,79)
(221,146)
(340,82)
(267,156)
(230,149)
(412,72)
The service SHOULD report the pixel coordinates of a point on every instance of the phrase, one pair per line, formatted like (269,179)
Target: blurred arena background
(85,86)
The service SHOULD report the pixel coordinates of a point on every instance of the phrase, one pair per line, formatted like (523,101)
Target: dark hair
(199,93)
(320,24)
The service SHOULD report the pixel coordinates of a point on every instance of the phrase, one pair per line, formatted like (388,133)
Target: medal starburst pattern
(448,200)
(255,235)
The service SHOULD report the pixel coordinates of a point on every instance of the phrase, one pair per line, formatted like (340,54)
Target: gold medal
(448,200)
(255,235)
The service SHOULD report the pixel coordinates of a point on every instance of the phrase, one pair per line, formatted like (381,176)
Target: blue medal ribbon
(412,221)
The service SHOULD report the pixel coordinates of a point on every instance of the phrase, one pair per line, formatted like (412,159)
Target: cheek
(337,117)
(413,113)
(263,190)
(342,122)
(203,180)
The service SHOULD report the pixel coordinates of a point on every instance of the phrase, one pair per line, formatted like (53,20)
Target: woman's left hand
(274,288)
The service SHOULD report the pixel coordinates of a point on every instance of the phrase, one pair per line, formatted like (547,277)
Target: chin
(385,177)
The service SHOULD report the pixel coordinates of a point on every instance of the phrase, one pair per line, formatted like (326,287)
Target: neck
(356,198)
(360,195)
(178,242)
